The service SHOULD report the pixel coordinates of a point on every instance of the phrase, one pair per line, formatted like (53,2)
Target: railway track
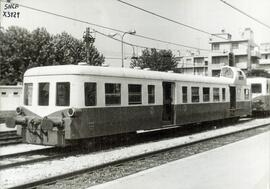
(142,156)
(9,137)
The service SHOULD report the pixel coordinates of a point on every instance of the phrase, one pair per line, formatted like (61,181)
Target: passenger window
(223,94)
(151,94)
(256,88)
(246,91)
(206,94)
(28,92)
(112,93)
(184,94)
(134,94)
(43,94)
(63,94)
(216,94)
(90,94)
(195,94)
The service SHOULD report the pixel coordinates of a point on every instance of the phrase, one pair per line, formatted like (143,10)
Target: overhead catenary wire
(109,28)
(244,13)
(171,20)
(176,22)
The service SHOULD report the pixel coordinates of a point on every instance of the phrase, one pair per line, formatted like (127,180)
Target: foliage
(21,50)
(162,60)
(258,73)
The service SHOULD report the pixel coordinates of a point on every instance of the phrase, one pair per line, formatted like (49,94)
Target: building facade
(244,53)
(193,64)
(264,63)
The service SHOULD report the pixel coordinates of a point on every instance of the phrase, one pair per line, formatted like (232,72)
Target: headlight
(72,112)
(19,110)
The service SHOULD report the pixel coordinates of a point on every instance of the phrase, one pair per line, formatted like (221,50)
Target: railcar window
(206,94)
(223,94)
(134,94)
(246,94)
(216,94)
(240,75)
(62,94)
(195,94)
(28,92)
(112,93)
(184,94)
(151,94)
(90,94)
(256,88)
(43,94)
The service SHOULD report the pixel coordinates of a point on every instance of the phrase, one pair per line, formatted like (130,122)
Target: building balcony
(264,61)
(242,65)
(255,54)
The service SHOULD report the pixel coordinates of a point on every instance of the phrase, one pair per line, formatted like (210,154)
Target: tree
(162,60)
(21,50)
(258,73)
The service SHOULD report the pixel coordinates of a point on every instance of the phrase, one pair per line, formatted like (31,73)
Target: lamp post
(122,43)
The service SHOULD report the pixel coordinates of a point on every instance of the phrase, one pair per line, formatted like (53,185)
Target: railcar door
(168,113)
(232,98)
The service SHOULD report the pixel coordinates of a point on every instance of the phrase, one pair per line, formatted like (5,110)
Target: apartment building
(264,62)
(192,64)
(244,52)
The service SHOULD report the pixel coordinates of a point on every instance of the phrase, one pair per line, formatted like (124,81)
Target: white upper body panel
(122,73)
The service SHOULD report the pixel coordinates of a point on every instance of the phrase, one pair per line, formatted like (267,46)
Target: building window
(3,93)
(235,46)
(134,94)
(246,91)
(43,94)
(90,94)
(63,94)
(112,93)
(184,94)
(206,94)
(215,73)
(223,94)
(256,88)
(15,93)
(28,92)
(216,94)
(198,60)
(151,94)
(215,46)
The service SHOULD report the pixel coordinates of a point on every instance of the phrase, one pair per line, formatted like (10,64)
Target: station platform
(241,165)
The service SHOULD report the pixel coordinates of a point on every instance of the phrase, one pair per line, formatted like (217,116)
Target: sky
(209,15)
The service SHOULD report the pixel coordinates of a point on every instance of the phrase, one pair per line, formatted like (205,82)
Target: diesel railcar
(260,90)
(66,103)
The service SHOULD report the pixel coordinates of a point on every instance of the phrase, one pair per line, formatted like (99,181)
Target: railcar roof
(121,72)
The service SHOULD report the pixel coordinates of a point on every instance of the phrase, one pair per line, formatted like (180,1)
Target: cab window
(62,94)
(256,88)
(43,94)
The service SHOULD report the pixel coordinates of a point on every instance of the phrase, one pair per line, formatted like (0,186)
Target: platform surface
(241,165)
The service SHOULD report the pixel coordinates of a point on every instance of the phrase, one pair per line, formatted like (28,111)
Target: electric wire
(109,28)
(244,13)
